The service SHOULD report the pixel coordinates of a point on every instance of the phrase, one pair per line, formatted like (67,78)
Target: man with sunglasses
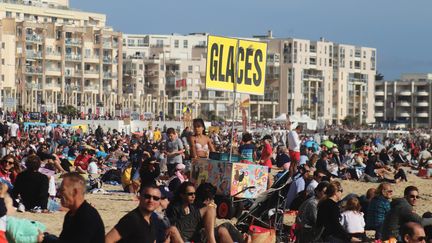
(401,212)
(412,233)
(138,225)
(378,208)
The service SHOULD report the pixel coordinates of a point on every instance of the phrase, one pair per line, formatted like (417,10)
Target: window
(161,67)
(159,43)
(190,69)
(53,19)
(197,68)
(87,52)
(8,14)
(189,82)
(141,42)
(131,42)
(176,43)
(3,45)
(185,44)
(190,94)
(18,15)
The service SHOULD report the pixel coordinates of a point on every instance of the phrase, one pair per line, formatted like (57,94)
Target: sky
(400,30)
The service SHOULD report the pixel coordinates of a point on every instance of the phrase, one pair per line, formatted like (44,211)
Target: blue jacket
(378,208)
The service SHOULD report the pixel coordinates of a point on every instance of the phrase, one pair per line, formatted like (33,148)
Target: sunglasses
(389,191)
(190,193)
(340,190)
(414,196)
(10,162)
(148,197)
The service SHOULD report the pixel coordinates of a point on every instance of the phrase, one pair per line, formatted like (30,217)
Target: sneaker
(36,210)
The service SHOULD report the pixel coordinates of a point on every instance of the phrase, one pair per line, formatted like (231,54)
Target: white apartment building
(405,102)
(153,64)
(325,80)
(54,56)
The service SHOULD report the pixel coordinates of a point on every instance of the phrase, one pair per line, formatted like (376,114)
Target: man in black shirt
(138,225)
(82,223)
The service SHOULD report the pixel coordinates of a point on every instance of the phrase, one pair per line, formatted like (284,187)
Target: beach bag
(262,235)
(112,175)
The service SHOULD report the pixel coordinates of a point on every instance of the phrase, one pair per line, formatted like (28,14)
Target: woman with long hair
(200,144)
(9,169)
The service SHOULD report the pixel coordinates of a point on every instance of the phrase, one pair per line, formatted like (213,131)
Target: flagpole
(235,78)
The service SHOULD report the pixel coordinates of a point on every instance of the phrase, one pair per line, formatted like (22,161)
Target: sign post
(235,65)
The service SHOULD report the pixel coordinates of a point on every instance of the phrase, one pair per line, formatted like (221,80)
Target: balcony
(34,38)
(107,75)
(91,73)
(72,87)
(73,58)
(422,93)
(92,59)
(51,86)
(52,71)
(107,59)
(73,42)
(107,45)
(404,114)
(422,114)
(379,103)
(313,77)
(53,55)
(423,103)
(151,73)
(152,60)
(379,93)
(91,88)
(33,86)
(379,114)
(33,55)
(404,103)
(405,93)
(74,74)
(34,70)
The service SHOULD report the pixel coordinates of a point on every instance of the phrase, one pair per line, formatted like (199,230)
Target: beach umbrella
(328,144)
(312,144)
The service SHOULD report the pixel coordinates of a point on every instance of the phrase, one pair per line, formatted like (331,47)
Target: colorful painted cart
(235,182)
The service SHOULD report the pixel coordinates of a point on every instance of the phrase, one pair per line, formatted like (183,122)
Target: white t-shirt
(294,141)
(14,129)
(93,168)
(353,222)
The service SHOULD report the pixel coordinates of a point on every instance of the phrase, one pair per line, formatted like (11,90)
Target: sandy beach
(114,205)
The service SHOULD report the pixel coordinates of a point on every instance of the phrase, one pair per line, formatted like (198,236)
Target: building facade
(405,101)
(325,80)
(53,56)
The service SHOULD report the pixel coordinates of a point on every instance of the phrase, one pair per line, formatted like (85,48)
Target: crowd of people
(41,165)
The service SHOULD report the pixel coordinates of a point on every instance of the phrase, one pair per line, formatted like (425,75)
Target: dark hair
(246,137)
(170,131)
(321,186)
(200,122)
(181,190)
(408,229)
(205,191)
(409,189)
(33,162)
(143,187)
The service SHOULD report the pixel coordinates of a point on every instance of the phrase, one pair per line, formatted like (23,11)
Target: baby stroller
(267,210)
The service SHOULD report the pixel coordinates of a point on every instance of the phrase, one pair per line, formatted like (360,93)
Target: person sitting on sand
(185,219)
(82,223)
(138,225)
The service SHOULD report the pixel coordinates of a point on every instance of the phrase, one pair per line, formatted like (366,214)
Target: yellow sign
(221,65)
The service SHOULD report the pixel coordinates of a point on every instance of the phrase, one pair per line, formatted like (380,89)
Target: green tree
(67,110)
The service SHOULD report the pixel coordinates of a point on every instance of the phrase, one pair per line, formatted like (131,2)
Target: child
(352,219)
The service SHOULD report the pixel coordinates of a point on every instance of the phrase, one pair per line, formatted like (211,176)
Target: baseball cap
(165,192)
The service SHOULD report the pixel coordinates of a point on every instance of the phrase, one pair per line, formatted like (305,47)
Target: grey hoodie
(401,212)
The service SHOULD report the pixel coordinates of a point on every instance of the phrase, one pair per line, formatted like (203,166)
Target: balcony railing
(72,57)
(107,45)
(33,86)
(33,54)
(107,59)
(91,71)
(91,88)
(53,53)
(73,41)
(34,38)
(35,70)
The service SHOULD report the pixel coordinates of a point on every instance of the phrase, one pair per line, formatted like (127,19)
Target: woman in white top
(352,219)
